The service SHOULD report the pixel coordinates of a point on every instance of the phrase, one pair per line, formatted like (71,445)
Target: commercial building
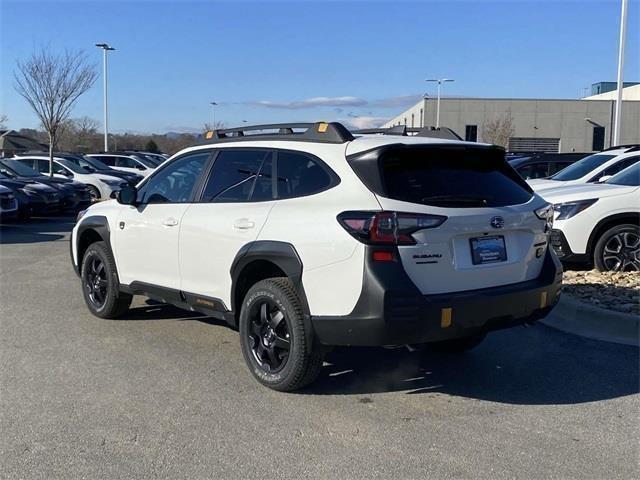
(543,125)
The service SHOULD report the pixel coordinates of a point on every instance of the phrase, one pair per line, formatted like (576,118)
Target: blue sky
(357,62)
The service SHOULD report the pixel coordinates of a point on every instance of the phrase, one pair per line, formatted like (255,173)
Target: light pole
(623,35)
(105,48)
(213,113)
(439,81)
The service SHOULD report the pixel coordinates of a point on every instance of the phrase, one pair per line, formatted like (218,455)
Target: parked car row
(597,209)
(77,181)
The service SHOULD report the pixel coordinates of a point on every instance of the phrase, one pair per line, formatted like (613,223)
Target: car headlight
(567,210)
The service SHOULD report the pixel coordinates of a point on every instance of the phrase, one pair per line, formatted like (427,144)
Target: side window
(618,167)
(43,166)
(61,170)
(126,162)
(299,175)
(235,173)
(111,161)
(557,166)
(175,182)
(535,170)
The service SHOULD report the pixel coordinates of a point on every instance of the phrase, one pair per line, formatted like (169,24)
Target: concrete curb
(579,318)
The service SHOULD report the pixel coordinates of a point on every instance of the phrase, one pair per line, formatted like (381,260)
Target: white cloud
(400,101)
(359,122)
(312,103)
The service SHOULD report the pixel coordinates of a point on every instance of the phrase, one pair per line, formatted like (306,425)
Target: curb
(579,318)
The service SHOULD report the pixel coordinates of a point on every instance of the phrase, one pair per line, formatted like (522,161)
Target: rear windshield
(451,177)
(582,167)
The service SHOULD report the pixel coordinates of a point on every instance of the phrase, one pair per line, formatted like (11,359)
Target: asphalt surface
(166,394)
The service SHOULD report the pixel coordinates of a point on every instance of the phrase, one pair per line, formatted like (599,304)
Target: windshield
(582,167)
(72,166)
(629,176)
(19,168)
(93,163)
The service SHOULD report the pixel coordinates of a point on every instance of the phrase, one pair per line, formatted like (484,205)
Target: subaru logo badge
(497,222)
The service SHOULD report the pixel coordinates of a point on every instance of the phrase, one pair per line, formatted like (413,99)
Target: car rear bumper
(392,311)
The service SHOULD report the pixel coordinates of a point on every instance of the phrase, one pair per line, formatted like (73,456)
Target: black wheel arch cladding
(282,255)
(91,229)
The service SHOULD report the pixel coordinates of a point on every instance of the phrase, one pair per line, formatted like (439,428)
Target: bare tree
(499,130)
(78,134)
(3,121)
(51,85)
(210,126)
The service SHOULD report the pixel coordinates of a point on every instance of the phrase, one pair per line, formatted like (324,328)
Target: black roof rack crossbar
(322,132)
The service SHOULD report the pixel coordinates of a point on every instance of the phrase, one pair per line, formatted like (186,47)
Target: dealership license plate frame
(496,253)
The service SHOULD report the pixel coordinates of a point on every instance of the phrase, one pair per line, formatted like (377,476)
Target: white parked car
(595,168)
(100,186)
(310,237)
(599,223)
(126,163)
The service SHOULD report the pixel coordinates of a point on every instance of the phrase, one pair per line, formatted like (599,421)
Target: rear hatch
(491,235)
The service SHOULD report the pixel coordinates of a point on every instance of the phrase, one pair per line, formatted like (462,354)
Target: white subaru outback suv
(309,237)
(599,223)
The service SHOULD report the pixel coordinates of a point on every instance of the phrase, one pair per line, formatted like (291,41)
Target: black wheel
(457,345)
(94,192)
(273,337)
(618,249)
(100,284)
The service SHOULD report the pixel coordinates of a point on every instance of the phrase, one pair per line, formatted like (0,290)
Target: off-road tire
(304,360)
(115,302)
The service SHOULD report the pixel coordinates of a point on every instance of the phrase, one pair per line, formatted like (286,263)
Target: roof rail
(321,132)
(632,146)
(395,130)
(432,132)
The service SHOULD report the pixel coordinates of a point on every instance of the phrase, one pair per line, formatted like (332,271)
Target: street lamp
(439,81)
(623,34)
(213,113)
(105,48)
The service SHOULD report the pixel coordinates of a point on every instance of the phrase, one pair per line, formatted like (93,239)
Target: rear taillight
(387,228)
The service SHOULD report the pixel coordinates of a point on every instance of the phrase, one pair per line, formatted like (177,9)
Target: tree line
(83,135)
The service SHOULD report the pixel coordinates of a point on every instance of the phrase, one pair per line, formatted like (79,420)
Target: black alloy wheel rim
(95,282)
(268,336)
(622,252)
(93,193)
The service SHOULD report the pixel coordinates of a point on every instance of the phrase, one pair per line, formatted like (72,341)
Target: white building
(550,125)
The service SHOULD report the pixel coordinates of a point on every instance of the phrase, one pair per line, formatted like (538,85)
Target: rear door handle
(243,224)
(170,222)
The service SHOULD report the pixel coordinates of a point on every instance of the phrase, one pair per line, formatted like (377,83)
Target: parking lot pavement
(165,393)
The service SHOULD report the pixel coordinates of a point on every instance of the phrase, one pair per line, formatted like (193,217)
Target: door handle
(243,224)
(170,222)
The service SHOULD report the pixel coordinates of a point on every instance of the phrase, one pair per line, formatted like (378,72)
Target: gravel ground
(618,291)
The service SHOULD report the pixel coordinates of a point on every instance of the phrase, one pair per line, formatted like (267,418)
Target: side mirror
(140,167)
(604,178)
(127,195)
